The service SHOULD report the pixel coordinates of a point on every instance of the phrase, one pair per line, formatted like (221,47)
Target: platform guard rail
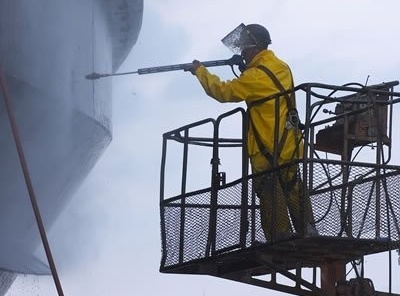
(355,200)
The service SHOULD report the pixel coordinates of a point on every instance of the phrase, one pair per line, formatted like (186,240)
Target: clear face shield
(239,39)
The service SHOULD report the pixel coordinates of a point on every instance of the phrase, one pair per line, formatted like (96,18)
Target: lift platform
(216,230)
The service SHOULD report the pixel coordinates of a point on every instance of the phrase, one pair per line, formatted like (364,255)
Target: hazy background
(107,242)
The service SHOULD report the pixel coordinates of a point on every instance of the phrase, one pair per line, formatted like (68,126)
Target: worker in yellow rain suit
(264,76)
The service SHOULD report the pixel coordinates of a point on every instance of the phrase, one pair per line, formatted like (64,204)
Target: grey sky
(107,242)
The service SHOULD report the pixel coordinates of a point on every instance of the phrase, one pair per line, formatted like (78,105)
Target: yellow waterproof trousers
(281,197)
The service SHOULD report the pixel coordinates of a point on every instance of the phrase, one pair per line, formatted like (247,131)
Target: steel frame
(196,239)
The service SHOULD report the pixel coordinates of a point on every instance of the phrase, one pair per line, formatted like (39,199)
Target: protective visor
(239,39)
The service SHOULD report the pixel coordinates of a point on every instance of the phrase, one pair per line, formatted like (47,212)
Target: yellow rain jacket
(254,84)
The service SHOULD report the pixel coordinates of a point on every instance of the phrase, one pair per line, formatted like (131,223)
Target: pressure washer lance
(234,60)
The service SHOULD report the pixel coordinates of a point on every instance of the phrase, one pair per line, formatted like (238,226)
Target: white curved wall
(64,120)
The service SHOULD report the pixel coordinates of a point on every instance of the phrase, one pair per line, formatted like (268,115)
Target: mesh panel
(194,217)
(195,234)
(365,205)
(255,232)
(362,209)
(171,252)
(228,228)
(228,220)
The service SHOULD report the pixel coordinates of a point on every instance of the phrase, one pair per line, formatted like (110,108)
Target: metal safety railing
(353,194)
(185,203)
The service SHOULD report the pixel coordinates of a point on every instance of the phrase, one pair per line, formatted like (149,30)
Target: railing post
(244,223)
(308,150)
(162,204)
(183,200)
(212,227)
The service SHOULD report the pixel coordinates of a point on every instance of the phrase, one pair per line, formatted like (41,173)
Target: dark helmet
(259,35)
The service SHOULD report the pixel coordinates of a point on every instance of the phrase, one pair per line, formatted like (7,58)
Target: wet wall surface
(64,120)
